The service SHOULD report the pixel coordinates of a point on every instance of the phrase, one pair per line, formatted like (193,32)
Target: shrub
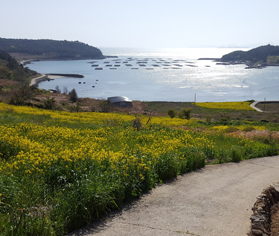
(185,113)
(248,129)
(251,101)
(230,129)
(21,95)
(105,106)
(208,118)
(225,117)
(76,108)
(171,113)
(49,104)
(236,155)
(137,124)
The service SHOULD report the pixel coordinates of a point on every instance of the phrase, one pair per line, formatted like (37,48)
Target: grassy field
(60,170)
(272,107)
(217,113)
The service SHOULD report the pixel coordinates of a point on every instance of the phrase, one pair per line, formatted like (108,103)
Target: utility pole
(264,104)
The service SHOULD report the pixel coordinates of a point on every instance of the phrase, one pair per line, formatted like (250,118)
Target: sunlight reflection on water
(184,77)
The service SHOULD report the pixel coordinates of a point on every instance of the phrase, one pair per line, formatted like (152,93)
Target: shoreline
(25,61)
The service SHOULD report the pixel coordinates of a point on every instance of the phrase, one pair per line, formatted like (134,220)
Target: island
(26,50)
(259,57)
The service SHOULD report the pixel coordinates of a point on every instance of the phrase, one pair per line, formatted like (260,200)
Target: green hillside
(11,70)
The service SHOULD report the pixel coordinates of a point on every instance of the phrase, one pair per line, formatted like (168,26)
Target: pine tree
(73,95)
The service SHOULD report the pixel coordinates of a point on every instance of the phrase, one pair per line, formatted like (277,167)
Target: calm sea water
(163,75)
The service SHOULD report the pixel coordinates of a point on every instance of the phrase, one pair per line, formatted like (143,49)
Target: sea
(169,74)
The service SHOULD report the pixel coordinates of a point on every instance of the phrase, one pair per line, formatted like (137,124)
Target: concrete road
(215,200)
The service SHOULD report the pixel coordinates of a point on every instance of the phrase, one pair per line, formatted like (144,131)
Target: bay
(163,75)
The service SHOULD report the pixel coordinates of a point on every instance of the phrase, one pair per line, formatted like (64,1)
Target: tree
(22,94)
(5,73)
(58,90)
(65,90)
(73,95)
(185,113)
(171,113)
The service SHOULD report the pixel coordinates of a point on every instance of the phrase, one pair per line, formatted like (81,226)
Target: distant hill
(11,70)
(49,49)
(268,54)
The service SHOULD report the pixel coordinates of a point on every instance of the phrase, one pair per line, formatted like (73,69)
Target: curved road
(215,200)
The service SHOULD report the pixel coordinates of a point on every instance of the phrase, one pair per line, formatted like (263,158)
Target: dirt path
(215,200)
(253,105)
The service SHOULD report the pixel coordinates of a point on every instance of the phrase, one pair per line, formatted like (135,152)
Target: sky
(144,23)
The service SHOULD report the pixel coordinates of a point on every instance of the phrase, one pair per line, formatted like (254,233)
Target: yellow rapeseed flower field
(226,105)
(65,169)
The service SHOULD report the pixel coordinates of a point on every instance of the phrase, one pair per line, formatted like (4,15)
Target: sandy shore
(55,76)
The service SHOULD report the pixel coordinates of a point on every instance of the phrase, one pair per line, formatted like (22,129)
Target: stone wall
(261,218)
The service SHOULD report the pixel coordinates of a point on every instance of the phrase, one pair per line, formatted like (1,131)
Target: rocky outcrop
(261,218)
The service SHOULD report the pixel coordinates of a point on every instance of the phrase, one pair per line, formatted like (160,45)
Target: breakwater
(36,81)
(45,77)
(68,75)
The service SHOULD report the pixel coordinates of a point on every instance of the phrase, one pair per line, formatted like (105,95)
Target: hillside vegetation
(49,49)
(11,70)
(268,54)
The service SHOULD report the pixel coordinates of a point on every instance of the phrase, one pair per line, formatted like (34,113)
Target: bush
(171,113)
(248,129)
(251,101)
(73,95)
(105,106)
(208,118)
(230,129)
(185,113)
(49,104)
(137,124)
(236,155)
(21,95)
(76,108)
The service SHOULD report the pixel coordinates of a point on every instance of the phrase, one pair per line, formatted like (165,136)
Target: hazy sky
(144,23)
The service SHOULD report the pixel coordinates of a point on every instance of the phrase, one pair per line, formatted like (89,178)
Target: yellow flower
(226,105)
